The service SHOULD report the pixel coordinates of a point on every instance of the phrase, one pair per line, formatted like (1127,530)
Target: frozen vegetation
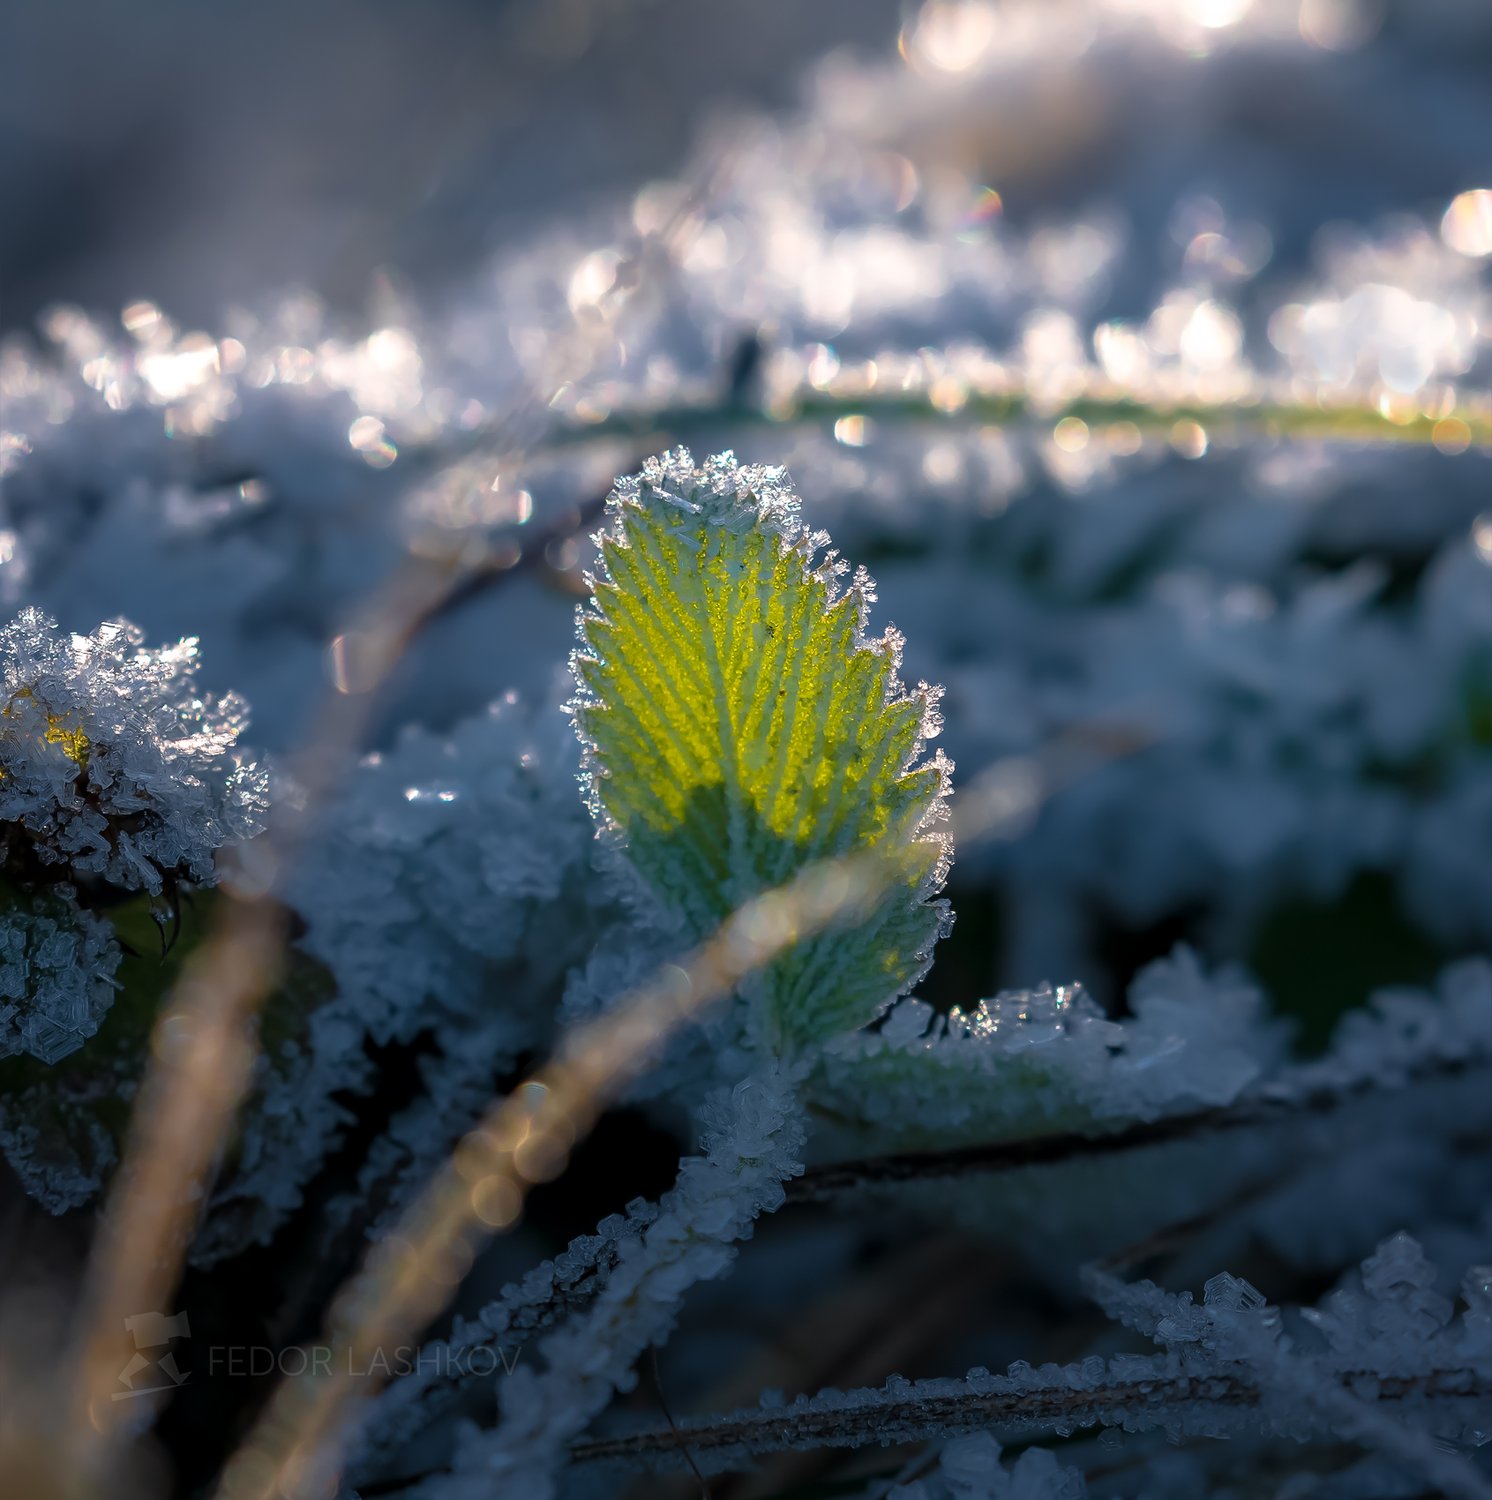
(1179,499)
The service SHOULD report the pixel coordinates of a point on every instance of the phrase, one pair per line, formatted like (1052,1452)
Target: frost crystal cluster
(115,777)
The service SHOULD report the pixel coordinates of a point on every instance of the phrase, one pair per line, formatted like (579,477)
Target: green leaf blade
(740,727)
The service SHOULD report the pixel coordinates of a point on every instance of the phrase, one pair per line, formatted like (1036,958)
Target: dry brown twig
(203,1046)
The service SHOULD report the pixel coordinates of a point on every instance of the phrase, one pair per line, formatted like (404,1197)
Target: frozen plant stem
(1148,1399)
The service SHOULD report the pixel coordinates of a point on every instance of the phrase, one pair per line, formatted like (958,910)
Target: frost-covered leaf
(112,765)
(1035,1061)
(116,776)
(740,726)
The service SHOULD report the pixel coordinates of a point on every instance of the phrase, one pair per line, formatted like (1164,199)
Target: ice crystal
(57,965)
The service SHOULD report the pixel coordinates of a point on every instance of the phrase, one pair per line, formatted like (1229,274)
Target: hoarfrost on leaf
(1031,1061)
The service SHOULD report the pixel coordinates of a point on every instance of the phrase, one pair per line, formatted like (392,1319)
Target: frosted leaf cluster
(112,766)
(1227,1370)
(1278,649)
(116,776)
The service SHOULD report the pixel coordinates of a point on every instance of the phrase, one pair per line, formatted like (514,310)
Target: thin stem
(203,1046)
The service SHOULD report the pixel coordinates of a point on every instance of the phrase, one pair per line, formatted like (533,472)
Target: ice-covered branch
(1138,1394)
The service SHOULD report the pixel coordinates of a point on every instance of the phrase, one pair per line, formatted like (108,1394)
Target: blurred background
(203,155)
(278,278)
(226,152)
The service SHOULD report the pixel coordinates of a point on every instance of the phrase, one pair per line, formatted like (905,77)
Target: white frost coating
(527,1309)
(882,795)
(1030,1061)
(1288,784)
(433,897)
(112,766)
(1405,1031)
(1391,1349)
(434,861)
(753,1138)
(1307,728)
(57,965)
(1319,1159)
(722,493)
(59,1172)
(737,498)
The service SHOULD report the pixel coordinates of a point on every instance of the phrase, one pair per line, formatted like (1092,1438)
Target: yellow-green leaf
(740,726)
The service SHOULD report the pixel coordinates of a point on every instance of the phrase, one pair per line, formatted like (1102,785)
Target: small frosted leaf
(740,726)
